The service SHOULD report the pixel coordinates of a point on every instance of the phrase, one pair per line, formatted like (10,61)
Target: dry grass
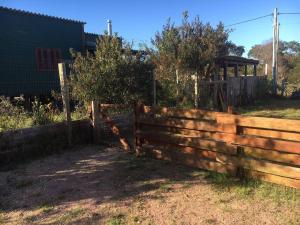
(278,108)
(97,185)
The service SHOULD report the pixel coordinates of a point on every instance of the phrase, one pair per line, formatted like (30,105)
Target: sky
(138,21)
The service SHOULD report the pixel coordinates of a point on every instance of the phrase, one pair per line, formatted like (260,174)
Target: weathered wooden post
(254,70)
(236,70)
(137,140)
(229,109)
(225,71)
(64,86)
(196,94)
(96,121)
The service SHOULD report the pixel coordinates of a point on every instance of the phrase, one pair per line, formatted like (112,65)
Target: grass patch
(117,220)
(46,207)
(278,108)
(253,188)
(69,217)
(31,219)
(165,186)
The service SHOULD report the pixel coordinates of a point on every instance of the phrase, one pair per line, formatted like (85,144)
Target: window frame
(47,59)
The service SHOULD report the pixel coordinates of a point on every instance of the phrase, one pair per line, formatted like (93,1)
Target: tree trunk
(177,86)
(196,90)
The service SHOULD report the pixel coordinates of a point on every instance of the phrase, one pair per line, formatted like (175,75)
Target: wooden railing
(244,146)
(99,113)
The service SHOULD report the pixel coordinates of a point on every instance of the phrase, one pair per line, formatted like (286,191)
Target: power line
(292,13)
(246,21)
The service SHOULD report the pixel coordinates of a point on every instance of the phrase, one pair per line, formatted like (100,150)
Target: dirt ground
(103,185)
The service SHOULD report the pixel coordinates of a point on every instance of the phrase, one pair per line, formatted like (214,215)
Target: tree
(288,52)
(292,48)
(189,49)
(165,57)
(111,74)
(236,50)
(294,74)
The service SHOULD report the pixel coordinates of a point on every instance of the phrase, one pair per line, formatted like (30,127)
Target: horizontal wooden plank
(218,136)
(261,166)
(267,143)
(188,159)
(293,159)
(189,124)
(271,168)
(189,141)
(274,179)
(182,113)
(221,117)
(196,152)
(292,136)
(259,122)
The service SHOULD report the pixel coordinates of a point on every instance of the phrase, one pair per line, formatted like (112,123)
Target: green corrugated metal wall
(20,35)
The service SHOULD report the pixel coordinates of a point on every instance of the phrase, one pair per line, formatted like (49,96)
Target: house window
(47,59)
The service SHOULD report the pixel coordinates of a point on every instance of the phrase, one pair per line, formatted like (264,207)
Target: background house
(31,45)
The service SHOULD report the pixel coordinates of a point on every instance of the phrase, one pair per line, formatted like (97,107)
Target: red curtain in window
(47,59)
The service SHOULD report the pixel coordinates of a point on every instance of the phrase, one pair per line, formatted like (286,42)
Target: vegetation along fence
(36,141)
(243,146)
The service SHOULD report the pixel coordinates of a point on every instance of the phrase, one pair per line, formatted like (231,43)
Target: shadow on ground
(99,174)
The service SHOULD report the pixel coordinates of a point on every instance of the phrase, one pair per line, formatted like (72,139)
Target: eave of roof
(92,34)
(39,15)
(229,59)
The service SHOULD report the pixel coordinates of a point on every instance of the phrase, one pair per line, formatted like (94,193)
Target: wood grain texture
(275,156)
(274,179)
(160,152)
(189,124)
(267,143)
(267,148)
(189,141)
(260,122)
(282,135)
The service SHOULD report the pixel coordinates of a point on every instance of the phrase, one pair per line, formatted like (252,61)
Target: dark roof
(91,36)
(233,60)
(19,11)
(91,39)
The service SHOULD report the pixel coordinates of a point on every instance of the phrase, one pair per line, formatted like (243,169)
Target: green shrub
(12,116)
(40,114)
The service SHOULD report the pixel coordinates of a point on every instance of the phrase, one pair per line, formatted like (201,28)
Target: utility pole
(109,27)
(275,50)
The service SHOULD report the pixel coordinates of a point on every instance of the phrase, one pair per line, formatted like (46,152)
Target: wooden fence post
(230,109)
(137,140)
(66,99)
(196,94)
(240,153)
(96,121)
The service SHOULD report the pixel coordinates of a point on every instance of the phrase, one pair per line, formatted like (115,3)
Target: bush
(112,74)
(40,113)
(12,116)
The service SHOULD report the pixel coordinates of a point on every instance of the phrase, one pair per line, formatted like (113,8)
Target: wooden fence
(262,148)
(233,91)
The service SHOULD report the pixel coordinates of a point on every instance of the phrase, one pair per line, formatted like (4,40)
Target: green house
(31,45)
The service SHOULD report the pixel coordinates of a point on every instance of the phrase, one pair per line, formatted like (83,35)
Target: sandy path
(102,185)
